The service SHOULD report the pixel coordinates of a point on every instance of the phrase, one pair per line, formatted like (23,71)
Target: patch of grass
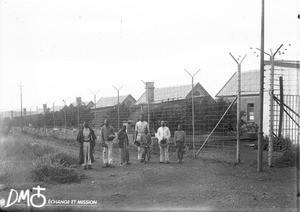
(41,150)
(63,159)
(54,168)
(55,174)
(25,147)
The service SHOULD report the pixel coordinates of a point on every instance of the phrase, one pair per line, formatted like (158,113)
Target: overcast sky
(61,49)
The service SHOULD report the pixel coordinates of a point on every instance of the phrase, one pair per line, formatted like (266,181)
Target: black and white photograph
(148,105)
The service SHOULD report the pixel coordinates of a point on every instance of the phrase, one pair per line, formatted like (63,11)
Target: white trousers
(164,154)
(107,155)
(86,154)
(140,152)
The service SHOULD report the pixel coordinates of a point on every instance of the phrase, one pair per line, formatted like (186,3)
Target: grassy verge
(56,168)
(37,162)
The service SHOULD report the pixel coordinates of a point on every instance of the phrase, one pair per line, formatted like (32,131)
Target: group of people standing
(142,138)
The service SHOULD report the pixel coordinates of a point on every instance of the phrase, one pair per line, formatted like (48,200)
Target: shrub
(55,168)
(55,174)
(63,159)
(249,127)
(288,158)
(279,144)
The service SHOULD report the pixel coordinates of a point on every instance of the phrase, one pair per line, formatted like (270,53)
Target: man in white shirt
(139,130)
(163,136)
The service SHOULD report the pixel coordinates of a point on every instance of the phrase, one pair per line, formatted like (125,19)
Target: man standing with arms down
(163,136)
(139,130)
(180,142)
(107,136)
(86,138)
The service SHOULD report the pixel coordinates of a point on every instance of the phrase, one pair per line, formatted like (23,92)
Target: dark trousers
(124,154)
(146,153)
(180,148)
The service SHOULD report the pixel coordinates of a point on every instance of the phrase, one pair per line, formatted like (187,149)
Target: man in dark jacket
(86,138)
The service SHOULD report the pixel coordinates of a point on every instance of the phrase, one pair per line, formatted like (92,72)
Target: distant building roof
(285,63)
(57,108)
(250,80)
(173,93)
(249,84)
(111,101)
(89,103)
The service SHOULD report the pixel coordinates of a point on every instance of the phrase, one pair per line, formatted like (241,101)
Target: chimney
(78,101)
(150,92)
(45,108)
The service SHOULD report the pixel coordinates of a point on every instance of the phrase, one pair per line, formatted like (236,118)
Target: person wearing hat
(163,136)
(107,136)
(86,138)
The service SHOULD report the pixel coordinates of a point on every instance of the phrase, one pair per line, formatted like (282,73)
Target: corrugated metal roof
(249,84)
(172,93)
(285,63)
(250,80)
(110,101)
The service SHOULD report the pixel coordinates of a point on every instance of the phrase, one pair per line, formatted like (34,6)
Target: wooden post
(271,112)
(238,112)
(261,93)
(280,106)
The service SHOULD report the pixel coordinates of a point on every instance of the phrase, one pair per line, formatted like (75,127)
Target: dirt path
(197,184)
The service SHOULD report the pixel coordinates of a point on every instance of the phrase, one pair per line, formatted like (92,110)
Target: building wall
(245,100)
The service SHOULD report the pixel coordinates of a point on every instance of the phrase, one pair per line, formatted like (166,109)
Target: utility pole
(297,174)
(65,117)
(193,115)
(94,93)
(261,90)
(238,125)
(30,117)
(118,90)
(37,115)
(21,86)
(78,102)
(53,111)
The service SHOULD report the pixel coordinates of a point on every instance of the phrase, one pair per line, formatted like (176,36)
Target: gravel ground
(212,182)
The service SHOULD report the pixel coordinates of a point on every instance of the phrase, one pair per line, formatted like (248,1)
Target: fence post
(271,112)
(238,120)
(281,106)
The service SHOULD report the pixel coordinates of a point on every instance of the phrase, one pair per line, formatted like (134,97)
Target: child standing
(145,144)
(123,146)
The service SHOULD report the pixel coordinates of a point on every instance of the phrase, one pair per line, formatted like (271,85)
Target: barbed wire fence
(215,119)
